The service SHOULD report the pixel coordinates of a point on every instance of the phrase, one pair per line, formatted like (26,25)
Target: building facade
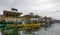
(11,15)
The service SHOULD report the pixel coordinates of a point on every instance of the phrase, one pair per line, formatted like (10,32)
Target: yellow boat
(29,25)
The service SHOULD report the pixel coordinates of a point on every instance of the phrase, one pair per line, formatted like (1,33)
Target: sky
(50,8)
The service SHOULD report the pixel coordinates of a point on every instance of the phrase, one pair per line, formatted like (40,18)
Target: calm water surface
(53,30)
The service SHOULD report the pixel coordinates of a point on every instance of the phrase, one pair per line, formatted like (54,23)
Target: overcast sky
(41,7)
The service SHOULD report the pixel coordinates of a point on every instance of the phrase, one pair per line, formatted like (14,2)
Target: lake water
(54,29)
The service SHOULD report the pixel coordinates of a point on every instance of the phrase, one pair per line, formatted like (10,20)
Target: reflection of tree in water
(7,32)
(30,30)
(48,25)
(14,31)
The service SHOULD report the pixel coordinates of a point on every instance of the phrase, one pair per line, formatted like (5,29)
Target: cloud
(40,7)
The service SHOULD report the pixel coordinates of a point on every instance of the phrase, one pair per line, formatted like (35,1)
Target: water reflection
(35,31)
(26,30)
(29,31)
(47,26)
(9,32)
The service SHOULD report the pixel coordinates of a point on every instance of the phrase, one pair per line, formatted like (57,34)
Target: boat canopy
(32,19)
